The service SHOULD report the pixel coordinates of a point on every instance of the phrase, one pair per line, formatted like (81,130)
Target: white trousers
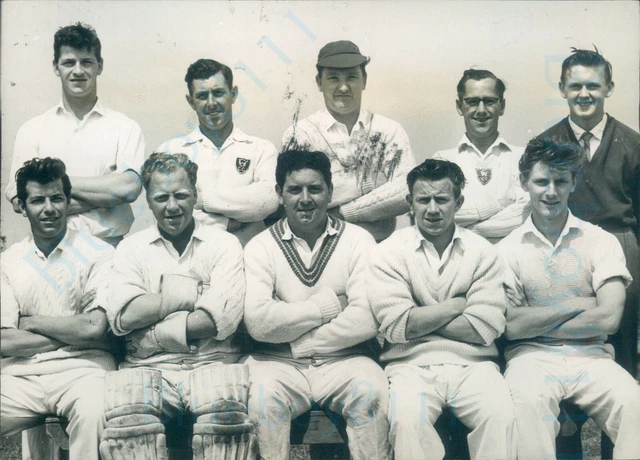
(76,394)
(477,395)
(540,380)
(354,387)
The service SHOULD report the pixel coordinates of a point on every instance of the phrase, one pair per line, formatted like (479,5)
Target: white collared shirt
(212,256)
(236,181)
(436,262)
(104,141)
(597,131)
(495,202)
(368,167)
(307,255)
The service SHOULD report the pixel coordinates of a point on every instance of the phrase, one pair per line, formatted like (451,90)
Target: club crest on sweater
(307,276)
(242,164)
(484,175)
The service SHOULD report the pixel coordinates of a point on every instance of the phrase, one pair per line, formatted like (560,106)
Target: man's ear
(100,66)
(410,202)
(319,81)
(190,101)
(561,88)
(523,183)
(234,93)
(55,68)
(459,107)
(610,89)
(279,193)
(22,207)
(459,202)
(504,106)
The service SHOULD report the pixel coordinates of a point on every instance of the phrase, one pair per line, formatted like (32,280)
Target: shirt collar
(465,143)
(327,121)
(98,108)
(329,229)
(236,135)
(597,131)
(420,239)
(64,244)
(572,222)
(199,232)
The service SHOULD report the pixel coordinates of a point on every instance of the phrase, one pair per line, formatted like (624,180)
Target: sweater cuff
(349,211)
(487,209)
(398,331)
(367,186)
(328,303)
(171,333)
(302,347)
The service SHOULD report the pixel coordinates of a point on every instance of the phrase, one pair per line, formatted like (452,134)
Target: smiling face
(434,206)
(46,208)
(212,100)
(342,90)
(481,106)
(585,89)
(305,196)
(549,189)
(171,198)
(78,71)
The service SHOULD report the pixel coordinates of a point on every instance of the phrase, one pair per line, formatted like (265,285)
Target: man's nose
(306,196)
(432,207)
(77,69)
(48,206)
(481,107)
(583,92)
(172,203)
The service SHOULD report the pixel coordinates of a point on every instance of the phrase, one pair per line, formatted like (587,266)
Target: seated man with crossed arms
(308,309)
(177,296)
(566,282)
(53,338)
(435,288)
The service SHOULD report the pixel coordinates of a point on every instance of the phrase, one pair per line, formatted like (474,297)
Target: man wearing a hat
(370,154)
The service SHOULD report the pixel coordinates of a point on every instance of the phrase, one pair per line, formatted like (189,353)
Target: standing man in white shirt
(101,148)
(370,154)
(495,203)
(236,189)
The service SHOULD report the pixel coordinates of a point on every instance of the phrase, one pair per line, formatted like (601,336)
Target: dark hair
(586,58)
(165,163)
(295,160)
(77,36)
(205,68)
(479,74)
(43,171)
(362,67)
(552,152)
(431,169)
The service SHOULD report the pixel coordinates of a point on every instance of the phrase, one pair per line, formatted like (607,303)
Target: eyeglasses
(487,101)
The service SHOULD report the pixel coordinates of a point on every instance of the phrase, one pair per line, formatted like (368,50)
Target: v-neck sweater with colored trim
(294,311)
(401,279)
(608,191)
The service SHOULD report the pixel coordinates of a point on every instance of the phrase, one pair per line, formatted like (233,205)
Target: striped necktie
(585,144)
